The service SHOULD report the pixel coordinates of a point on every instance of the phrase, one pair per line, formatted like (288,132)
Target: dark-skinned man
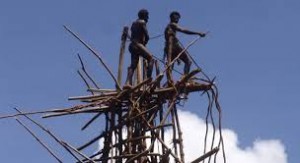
(139,39)
(173,47)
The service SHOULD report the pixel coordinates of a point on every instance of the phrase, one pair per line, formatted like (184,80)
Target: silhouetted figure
(137,47)
(173,47)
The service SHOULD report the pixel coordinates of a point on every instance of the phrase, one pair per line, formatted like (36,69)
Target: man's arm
(186,31)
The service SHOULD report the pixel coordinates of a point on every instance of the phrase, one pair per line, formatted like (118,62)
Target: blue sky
(252,48)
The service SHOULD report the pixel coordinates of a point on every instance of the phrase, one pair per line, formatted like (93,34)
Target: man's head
(175,16)
(143,14)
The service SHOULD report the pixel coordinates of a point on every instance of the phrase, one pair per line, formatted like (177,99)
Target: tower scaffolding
(136,118)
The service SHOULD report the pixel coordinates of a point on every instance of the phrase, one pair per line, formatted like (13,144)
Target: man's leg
(187,62)
(171,55)
(133,65)
(143,51)
(187,66)
(130,71)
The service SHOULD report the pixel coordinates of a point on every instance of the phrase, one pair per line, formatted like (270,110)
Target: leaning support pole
(38,140)
(76,151)
(119,109)
(50,134)
(121,55)
(208,154)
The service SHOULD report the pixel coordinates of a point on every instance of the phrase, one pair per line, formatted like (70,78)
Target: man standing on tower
(173,47)
(139,39)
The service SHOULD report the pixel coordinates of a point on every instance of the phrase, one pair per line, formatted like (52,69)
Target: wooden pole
(208,154)
(180,140)
(49,133)
(38,140)
(119,109)
(139,71)
(121,55)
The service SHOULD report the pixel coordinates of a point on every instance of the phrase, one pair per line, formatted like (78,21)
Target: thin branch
(96,54)
(38,140)
(90,121)
(49,133)
(26,113)
(86,73)
(86,83)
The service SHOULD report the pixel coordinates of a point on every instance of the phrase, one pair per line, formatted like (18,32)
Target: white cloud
(193,128)
(262,151)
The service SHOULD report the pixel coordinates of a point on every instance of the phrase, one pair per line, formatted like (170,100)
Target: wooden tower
(135,118)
